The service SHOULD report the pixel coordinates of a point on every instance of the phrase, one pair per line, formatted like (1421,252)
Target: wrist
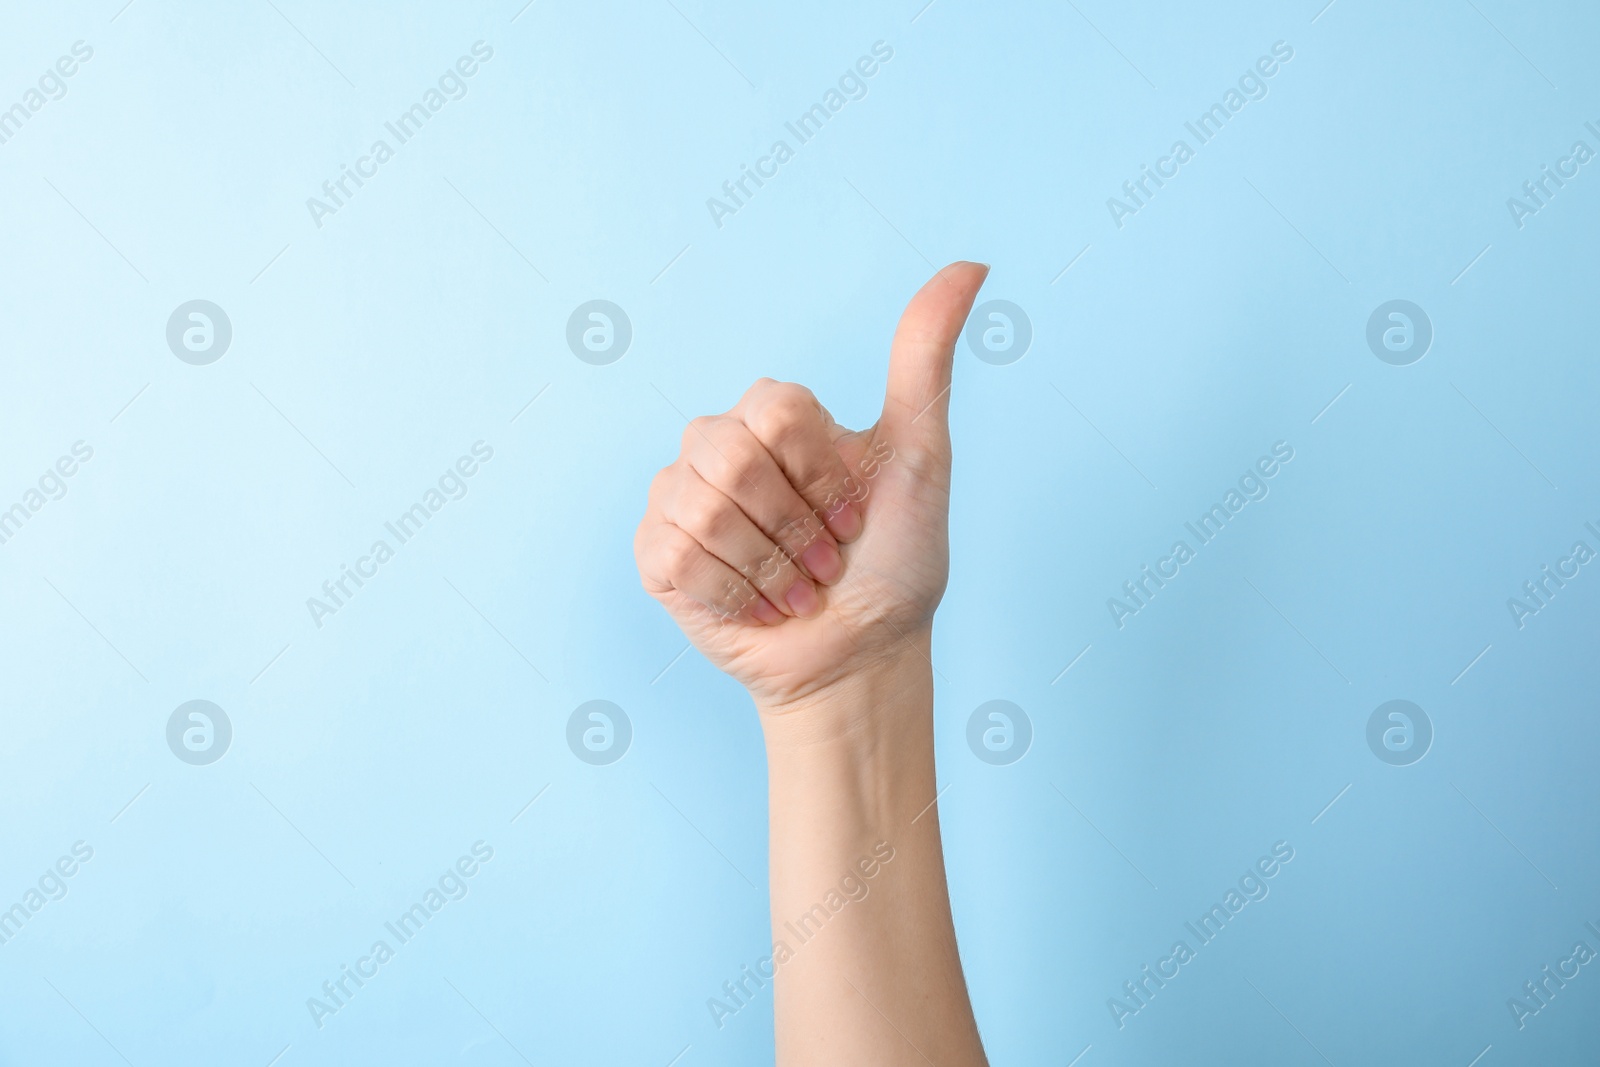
(888,694)
(853,762)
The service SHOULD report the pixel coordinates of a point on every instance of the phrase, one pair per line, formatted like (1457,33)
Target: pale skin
(806,560)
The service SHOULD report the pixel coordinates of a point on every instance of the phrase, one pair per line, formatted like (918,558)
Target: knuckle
(678,554)
(757,388)
(661,485)
(821,485)
(817,481)
(769,568)
(784,414)
(794,393)
(800,532)
(738,594)
(743,459)
(700,428)
(719,435)
(722,523)
(705,516)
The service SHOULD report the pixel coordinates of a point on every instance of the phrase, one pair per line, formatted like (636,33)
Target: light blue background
(369,353)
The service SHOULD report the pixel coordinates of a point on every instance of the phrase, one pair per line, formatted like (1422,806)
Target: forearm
(859,896)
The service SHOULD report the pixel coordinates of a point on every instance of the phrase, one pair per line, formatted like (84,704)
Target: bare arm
(852,813)
(807,561)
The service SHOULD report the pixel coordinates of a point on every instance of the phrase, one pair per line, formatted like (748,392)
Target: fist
(793,551)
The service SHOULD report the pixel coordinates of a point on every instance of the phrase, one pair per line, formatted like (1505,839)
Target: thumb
(917,403)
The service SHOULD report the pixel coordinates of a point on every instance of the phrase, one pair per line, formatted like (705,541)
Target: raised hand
(806,560)
(794,552)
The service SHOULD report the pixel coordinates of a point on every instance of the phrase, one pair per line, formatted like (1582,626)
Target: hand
(794,552)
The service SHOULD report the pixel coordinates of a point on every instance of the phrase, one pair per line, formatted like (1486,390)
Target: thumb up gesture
(794,552)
